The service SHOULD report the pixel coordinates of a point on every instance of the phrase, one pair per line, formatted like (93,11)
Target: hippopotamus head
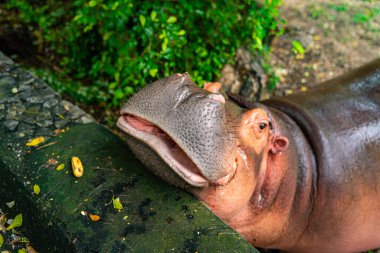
(203,141)
(297,173)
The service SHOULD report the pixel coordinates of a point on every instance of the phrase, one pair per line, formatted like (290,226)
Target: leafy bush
(114,47)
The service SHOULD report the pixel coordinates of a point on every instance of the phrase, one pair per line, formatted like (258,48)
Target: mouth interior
(164,146)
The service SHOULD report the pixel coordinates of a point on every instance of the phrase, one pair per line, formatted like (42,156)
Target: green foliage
(297,47)
(115,47)
(341,7)
(316,11)
(367,15)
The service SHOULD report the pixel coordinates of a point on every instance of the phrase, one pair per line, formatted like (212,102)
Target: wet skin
(299,173)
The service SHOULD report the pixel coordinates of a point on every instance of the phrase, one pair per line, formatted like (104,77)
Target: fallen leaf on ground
(60,167)
(30,249)
(117,204)
(51,162)
(35,141)
(36,189)
(94,217)
(77,166)
(10,204)
(17,222)
(56,132)
(60,116)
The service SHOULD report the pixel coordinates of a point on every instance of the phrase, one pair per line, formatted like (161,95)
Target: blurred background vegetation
(102,51)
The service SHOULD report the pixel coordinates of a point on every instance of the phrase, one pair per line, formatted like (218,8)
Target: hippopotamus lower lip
(164,146)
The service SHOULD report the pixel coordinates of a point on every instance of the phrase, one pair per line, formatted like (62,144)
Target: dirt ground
(336,35)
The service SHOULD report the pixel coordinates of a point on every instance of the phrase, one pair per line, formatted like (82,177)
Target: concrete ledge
(155,216)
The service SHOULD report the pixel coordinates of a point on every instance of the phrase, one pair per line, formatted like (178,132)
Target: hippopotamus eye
(262,126)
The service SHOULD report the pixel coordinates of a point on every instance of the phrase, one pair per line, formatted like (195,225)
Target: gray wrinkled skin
(206,140)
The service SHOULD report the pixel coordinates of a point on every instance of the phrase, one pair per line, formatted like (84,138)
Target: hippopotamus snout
(187,126)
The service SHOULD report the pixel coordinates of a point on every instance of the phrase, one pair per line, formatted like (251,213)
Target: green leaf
(22,250)
(153,15)
(112,85)
(162,35)
(77,17)
(181,32)
(118,94)
(17,222)
(128,90)
(1,240)
(117,77)
(172,19)
(258,43)
(117,204)
(115,5)
(87,28)
(36,189)
(153,72)
(297,47)
(107,35)
(142,20)
(164,45)
(92,3)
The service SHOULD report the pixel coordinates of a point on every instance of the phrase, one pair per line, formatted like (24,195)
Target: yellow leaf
(1,240)
(60,167)
(117,204)
(77,166)
(94,217)
(17,222)
(36,189)
(35,141)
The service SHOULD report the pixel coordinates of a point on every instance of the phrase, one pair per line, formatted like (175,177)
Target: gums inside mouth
(164,146)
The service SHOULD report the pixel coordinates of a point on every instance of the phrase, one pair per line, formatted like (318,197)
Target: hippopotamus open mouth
(297,173)
(189,130)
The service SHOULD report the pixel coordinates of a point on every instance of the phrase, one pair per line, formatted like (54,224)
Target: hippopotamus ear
(213,87)
(279,144)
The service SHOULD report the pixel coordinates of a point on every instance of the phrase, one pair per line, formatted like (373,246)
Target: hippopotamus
(298,173)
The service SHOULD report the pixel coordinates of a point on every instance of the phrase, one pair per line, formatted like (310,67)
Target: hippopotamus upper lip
(164,146)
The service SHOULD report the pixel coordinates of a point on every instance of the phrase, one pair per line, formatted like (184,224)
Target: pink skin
(240,203)
(213,87)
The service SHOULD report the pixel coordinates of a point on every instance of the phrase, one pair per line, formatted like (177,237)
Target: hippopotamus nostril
(217,97)
(183,75)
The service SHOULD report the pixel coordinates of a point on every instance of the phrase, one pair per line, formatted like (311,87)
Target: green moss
(155,216)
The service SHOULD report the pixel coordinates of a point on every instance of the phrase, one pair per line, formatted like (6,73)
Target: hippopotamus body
(299,173)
